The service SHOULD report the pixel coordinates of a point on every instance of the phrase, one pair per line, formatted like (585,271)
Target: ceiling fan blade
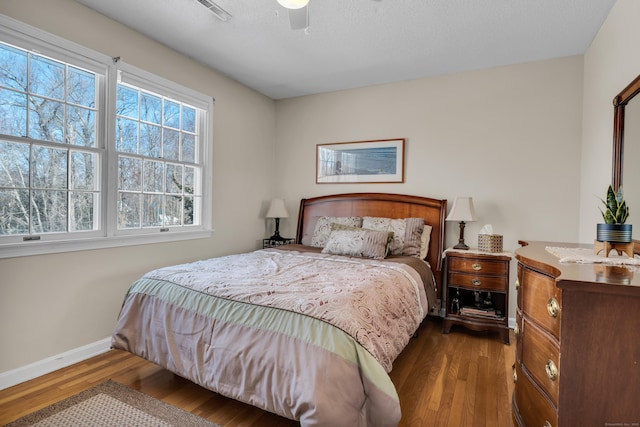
(299,18)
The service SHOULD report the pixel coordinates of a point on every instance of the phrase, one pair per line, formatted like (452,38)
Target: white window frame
(107,236)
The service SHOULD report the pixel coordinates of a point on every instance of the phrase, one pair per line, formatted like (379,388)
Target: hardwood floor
(460,379)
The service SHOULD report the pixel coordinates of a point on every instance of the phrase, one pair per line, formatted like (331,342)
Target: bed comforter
(306,335)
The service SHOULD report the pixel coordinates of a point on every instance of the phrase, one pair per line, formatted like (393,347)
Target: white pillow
(357,242)
(323,228)
(424,241)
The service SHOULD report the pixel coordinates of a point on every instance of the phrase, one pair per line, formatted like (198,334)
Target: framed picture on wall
(360,162)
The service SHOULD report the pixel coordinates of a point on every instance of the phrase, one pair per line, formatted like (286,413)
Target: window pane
(14,212)
(174,179)
(46,119)
(150,108)
(153,176)
(81,87)
(81,126)
(83,205)
(46,77)
(129,174)
(13,113)
(171,145)
(188,211)
(127,135)
(173,210)
(150,140)
(49,211)
(188,148)
(189,180)
(49,168)
(129,210)
(188,119)
(127,102)
(152,210)
(14,165)
(13,68)
(83,170)
(171,114)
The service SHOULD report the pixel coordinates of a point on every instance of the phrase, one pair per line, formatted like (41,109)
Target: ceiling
(355,43)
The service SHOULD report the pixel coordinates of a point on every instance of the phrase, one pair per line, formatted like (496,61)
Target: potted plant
(616,212)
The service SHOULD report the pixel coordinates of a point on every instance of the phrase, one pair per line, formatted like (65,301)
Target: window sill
(50,247)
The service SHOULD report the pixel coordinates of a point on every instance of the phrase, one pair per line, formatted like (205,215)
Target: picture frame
(373,161)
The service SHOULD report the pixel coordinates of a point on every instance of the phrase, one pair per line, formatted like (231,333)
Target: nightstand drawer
(479,266)
(476,281)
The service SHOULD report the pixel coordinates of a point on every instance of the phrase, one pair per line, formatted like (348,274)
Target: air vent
(219,12)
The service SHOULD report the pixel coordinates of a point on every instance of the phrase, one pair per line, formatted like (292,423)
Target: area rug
(111,404)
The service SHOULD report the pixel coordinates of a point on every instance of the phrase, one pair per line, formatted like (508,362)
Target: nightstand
(273,243)
(477,291)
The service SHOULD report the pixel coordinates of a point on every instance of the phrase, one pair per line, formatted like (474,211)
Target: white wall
(55,303)
(509,137)
(610,63)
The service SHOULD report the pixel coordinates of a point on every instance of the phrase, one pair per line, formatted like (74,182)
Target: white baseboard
(50,364)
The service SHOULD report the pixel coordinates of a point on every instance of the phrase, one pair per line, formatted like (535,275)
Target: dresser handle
(552,370)
(547,424)
(476,282)
(553,307)
(516,329)
(515,375)
(517,284)
(476,266)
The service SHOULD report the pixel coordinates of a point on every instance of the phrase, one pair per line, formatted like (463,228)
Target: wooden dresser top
(575,276)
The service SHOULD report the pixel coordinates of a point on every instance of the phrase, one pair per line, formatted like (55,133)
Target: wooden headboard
(382,205)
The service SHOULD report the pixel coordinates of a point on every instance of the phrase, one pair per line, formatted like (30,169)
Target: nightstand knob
(476,266)
(553,308)
(551,369)
(476,282)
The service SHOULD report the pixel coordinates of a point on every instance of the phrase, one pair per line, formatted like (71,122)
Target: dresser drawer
(541,357)
(517,330)
(479,266)
(533,408)
(476,281)
(541,300)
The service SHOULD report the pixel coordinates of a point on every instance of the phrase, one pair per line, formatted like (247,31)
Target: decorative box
(490,242)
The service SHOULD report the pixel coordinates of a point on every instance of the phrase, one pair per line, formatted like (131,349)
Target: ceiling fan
(298,13)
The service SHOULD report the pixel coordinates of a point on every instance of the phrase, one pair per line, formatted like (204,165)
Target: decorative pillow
(335,227)
(424,241)
(323,228)
(407,233)
(357,242)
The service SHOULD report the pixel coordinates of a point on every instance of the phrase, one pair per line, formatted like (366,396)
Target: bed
(308,331)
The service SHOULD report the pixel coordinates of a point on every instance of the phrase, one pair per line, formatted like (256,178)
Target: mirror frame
(619,103)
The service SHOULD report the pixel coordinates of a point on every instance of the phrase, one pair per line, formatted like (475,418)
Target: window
(82,169)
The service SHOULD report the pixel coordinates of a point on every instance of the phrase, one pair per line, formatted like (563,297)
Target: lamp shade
(293,4)
(277,209)
(462,210)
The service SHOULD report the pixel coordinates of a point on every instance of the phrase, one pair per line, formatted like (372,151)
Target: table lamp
(463,212)
(277,210)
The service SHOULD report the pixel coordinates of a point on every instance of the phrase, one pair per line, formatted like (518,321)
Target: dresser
(577,342)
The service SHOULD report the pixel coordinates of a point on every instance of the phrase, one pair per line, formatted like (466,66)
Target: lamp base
(461,244)
(277,237)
